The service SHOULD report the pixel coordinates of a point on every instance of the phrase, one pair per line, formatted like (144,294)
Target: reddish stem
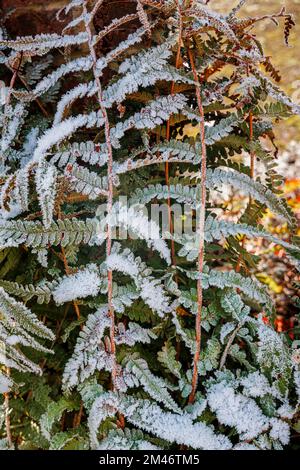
(110,192)
(201,227)
(171,227)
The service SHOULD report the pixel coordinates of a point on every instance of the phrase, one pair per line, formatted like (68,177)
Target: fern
(158,340)
(34,234)
(153,385)
(54,413)
(89,353)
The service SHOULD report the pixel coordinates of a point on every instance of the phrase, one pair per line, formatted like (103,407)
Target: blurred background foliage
(284,282)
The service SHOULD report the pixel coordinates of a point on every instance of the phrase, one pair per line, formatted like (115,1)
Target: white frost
(77,286)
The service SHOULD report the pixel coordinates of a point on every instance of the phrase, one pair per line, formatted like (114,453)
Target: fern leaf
(87,182)
(250,187)
(148,416)
(89,353)
(154,386)
(46,183)
(16,311)
(42,291)
(84,283)
(167,357)
(54,413)
(43,42)
(127,439)
(34,234)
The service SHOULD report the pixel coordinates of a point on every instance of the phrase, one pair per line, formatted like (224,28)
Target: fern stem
(13,80)
(178,56)
(7,416)
(110,189)
(77,417)
(200,230)
(67,269)
(228,346)
(252,174)
(95,9)
(252,153)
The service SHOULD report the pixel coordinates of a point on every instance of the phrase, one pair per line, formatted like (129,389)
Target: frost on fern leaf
(97,299)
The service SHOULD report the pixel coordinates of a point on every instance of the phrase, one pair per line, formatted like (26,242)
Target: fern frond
(34,234)
(43,42)
(14,311)
(42,291)
(54,413)
(46,184)
(251,188)
(87,182)
(89,353)
(154,386)
(148,416)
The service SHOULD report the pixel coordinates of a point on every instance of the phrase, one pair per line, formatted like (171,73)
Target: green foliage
(120,316)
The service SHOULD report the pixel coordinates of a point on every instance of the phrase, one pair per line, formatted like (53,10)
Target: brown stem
(121,421)
(13,80)
(67,269)
(200,229)
(110,191)
(22,79)
(252,153)
(7,416)
(59,327)
(77,417)
(252,174)
(171,227)
(228,346)
(114,26)
(95,9)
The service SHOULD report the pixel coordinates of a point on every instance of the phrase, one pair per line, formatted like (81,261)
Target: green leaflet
(167,357)
(34,234)
(53,414)
(218,229)
(222,279)
(155,386)
(42,292)
(215,178)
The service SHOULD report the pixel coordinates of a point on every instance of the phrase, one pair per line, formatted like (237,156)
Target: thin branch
(95,9)
(110,191)
(252,153)
(115,25)
(13,80)
(178,56)
(228,346)
(67,269)
(7,415)
(200,229)
(23,81)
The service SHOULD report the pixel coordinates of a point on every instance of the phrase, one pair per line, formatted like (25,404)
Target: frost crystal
(236,410)
(82,284)
(255,385)
(280,431)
